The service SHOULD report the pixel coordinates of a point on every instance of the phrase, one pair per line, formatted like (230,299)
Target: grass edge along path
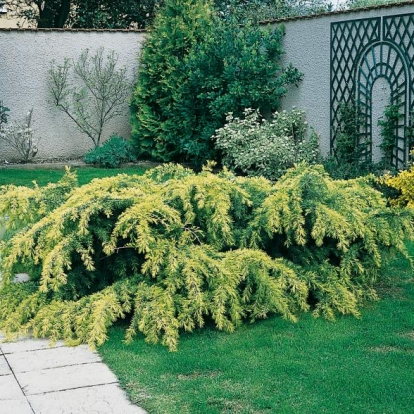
(273,366)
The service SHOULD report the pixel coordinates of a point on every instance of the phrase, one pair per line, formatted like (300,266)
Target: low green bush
(174,249)
(112,153)
(256,146)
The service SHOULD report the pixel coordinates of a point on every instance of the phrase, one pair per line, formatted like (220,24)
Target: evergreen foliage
(177,27)
(173,249)
(195,69)
(235,68)
(349,158)
(108,14)
(263,10)
(404,184)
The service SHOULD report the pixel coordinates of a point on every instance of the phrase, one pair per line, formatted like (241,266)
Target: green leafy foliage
(177,27)
(389,132)
(257,146)
(115,151)
(356,4)
(173,250)
(196,68)
(108,14)
(348,159)
(232,69)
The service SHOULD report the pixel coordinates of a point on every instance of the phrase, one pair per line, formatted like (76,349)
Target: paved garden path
(35,378)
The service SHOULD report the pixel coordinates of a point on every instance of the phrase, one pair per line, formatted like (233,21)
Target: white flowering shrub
(19,135)
(260,147)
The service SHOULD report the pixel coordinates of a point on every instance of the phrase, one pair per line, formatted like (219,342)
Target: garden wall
(365,55)
(25,57)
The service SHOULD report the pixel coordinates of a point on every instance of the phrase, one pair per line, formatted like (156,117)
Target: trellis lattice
(362,51)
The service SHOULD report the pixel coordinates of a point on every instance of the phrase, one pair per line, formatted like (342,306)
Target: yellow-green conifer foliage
(173,249)
(404,183)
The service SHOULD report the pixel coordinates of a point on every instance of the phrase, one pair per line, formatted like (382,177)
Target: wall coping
(55,29)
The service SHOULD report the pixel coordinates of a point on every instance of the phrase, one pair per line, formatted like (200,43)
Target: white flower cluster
(19,135)
(257,146)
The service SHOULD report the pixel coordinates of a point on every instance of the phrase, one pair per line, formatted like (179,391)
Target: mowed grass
(314,366)
(43,177)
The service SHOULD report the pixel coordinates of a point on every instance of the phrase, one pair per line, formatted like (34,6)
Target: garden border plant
(174,249)
(115,151)
(389,125)
(20,136)
(266,147)
(194,69)
(91,90)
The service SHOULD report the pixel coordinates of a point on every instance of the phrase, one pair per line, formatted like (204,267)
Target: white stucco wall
(307,47)
(25,57)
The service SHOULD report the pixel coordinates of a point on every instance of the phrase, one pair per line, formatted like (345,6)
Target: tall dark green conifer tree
(177,28)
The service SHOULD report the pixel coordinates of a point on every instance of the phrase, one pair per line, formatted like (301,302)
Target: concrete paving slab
(4,367)
(101,399)
(51,358)
(15,407)
(27,344)
(35,379)
(65,378)
(9,388)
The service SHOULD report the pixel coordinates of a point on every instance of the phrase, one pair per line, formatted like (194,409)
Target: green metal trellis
(363,51)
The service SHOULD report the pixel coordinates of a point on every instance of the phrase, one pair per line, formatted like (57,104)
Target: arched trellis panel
(383,60)
(363,51)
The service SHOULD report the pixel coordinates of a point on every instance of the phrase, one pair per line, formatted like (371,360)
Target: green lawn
(42,177)
(351,366)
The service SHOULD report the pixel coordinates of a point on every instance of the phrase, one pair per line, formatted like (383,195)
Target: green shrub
(173,249)
(265,10)
(112,153)
(347,160)
(389,134)
(403,183)
(178,25)
(258,146)
(196,68)
(234,68)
